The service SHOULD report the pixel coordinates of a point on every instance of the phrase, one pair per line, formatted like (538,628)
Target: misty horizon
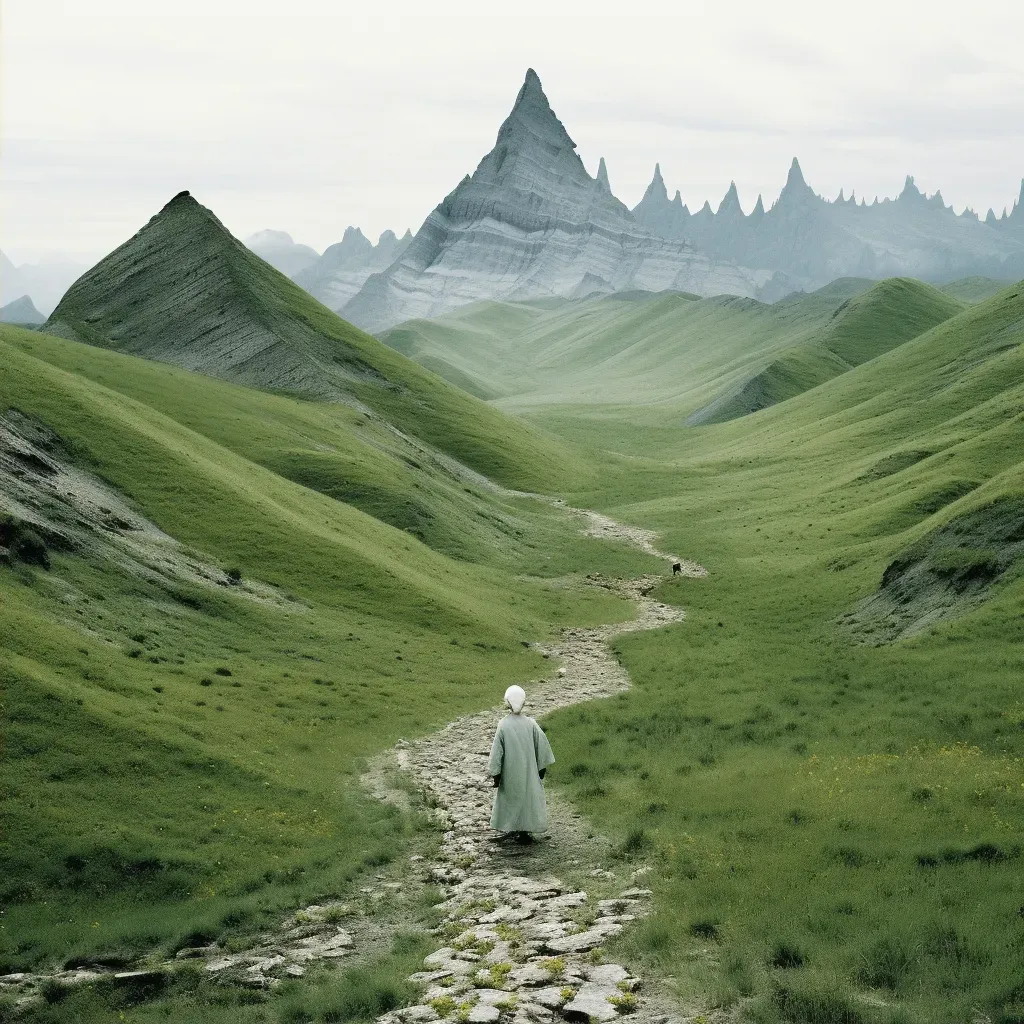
(310,136)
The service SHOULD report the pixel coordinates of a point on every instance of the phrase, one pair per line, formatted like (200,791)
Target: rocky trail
(524,926)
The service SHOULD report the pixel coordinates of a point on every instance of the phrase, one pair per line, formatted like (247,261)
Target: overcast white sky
(308,116)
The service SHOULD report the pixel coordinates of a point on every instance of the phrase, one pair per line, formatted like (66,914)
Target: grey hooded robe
(518,754)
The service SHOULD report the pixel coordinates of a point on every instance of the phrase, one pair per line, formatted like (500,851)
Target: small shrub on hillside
(785,955)
(811,1006)
(222,671)
(886,964)
(636,844)
(705,929)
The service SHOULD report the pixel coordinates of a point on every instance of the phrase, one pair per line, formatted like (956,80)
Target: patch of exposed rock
(50,504)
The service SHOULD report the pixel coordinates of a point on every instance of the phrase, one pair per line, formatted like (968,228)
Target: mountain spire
(795,188)
(795,179)
(730,204)
(656,189)
(910,190)
(531,114)
(602,176)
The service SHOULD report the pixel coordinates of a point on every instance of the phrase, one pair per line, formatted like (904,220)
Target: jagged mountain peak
(531,115)
(796,189)
(354,236)
(602,176)
(730,204)
(910,191)
(656,189)
(758,210)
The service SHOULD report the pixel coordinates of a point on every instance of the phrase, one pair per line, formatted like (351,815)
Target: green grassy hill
(642,354)
(862,327)
(183,290)
(974,289)
(180,752)
(825,759)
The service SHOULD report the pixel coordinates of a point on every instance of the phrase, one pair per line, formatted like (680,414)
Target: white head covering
(515,698)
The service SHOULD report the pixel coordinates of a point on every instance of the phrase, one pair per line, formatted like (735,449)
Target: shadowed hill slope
(183,290)
(864,326)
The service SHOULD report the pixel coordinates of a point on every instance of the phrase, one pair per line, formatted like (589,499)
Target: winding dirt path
(525,945)
(525,926)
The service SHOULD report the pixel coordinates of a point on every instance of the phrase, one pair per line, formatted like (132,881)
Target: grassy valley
(825,760)
(239,712)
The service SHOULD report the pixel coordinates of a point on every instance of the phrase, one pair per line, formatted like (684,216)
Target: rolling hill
(862,327)
(184,291)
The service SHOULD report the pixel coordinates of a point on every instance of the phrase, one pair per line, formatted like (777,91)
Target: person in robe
(520,756)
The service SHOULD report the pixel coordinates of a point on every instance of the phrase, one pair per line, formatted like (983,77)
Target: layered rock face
(344,267)
(806,241)
(283,253)
(531,223)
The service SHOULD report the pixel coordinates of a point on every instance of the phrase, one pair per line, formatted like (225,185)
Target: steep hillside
(183,290)
(865,326)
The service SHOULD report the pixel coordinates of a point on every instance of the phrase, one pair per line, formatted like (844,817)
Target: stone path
(526,947)
(522,945)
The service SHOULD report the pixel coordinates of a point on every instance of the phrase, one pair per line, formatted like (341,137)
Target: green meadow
(822,763)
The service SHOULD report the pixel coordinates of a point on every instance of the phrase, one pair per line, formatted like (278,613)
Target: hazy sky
(309,116)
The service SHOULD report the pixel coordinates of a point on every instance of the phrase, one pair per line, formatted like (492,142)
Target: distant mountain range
(532,223)
(344,267)
(44,282)
(807,241)
(281,251)
(21,311)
